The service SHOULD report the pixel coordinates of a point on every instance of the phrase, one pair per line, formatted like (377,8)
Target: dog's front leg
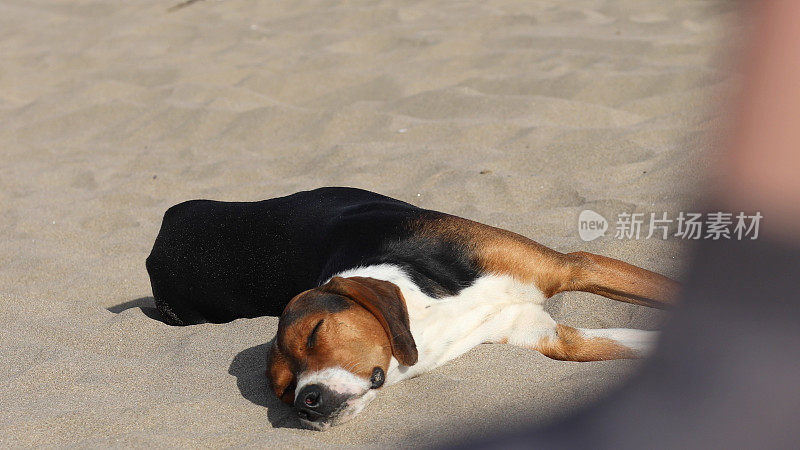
(567,343)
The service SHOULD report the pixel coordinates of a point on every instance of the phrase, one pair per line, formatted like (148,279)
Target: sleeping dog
(371,290)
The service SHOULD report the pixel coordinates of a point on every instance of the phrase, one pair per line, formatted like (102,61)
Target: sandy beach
(515,114)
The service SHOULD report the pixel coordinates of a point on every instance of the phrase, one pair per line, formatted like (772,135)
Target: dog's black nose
(309,402)
(312,399)
(314,402)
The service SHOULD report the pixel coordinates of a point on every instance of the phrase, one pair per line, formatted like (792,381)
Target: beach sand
(515,114)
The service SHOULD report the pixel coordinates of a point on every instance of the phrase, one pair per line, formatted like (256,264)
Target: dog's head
(334,346)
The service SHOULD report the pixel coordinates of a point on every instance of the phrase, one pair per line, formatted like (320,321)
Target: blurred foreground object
(727,371)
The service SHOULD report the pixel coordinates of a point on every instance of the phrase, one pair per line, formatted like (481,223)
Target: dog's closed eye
(312,338)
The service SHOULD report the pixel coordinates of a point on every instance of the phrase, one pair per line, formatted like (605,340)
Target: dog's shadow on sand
(249,367)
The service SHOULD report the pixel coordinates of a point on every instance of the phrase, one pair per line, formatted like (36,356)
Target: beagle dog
(372,291)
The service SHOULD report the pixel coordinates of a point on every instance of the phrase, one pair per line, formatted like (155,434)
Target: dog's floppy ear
(281,379)
(384,300)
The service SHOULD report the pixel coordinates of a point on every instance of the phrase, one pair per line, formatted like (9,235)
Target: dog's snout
(311,398)
(315,402)
(308,402)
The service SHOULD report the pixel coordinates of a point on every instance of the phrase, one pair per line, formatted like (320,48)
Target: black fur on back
(440,268)
(219,261)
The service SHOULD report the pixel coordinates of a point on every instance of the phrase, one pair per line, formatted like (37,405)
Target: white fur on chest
(492,309)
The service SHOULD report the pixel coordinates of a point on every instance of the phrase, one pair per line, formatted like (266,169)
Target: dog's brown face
(334,346)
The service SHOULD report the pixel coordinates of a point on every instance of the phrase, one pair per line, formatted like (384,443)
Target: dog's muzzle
(317,403)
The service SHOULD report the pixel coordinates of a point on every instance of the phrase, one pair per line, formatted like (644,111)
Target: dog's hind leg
(616,280)
(503,252)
